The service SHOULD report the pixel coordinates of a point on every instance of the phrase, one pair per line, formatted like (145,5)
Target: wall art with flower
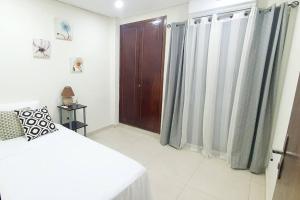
(41,48)
(76,64)
(63,30)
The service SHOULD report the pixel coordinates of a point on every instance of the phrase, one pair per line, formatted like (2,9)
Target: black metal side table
(74,125)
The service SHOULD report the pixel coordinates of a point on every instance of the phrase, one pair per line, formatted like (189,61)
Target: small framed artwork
(63,30)
(76,64)
(41,48)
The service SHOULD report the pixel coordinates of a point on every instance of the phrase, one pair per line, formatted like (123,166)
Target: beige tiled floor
(182,175)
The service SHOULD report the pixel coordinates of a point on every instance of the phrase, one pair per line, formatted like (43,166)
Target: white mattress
(66,166)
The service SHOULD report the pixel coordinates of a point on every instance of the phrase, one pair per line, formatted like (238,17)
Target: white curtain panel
(249,37)
(212,65)
(196,65)
(214,53)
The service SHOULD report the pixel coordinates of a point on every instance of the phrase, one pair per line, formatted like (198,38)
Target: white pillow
(16,106)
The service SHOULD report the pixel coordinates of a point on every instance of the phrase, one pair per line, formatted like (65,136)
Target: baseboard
(102,129)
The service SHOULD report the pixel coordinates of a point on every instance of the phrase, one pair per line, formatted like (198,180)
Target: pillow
(10,126)
(36,122)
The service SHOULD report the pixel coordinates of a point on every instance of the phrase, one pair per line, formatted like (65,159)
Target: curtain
(171,132)
(196,66)
(221,83)
(252,116)
(227,40)
(212,63)
(289,19)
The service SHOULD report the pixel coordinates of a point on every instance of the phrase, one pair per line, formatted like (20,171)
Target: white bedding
(66,166)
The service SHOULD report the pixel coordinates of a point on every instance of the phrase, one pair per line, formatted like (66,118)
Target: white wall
(174,14)
(205,5)
(23,77)
(286,99)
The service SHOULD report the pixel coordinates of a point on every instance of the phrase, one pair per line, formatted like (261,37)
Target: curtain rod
(293,4)
(223,13)
(179,24)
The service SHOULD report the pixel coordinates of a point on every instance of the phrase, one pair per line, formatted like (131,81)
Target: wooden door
(141,78)
(129,74)
(151,73)
(288,184)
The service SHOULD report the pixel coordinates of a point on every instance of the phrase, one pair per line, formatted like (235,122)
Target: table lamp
(67,96)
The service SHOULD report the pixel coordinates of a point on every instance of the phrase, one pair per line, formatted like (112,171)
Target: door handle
(278,152)
(284,152)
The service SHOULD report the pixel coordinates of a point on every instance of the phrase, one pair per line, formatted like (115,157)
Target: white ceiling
(131,7)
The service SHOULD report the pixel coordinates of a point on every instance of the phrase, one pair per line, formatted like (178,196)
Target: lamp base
(67,101)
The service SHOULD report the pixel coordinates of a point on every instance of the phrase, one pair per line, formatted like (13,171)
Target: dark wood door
(141,73)
(129,78)
(288,184)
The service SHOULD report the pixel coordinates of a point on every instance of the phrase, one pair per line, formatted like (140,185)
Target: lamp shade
(67,92)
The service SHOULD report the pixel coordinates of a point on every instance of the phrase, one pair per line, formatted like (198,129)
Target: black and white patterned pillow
(36,122)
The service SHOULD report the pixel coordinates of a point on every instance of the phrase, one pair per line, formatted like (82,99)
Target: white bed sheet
(66,166)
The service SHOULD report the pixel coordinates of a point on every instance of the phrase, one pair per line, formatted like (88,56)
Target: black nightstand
(74,125)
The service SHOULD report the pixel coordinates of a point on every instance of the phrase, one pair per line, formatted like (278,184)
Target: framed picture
(76,65)
(41,48)
(63,30)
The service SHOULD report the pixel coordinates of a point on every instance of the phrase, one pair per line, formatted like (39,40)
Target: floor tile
(176,165)
(182,174)
(257,188)
(164,187)
(258,179)
(191,193)
(214,177)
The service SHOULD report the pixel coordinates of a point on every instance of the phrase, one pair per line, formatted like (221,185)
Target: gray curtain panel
(171,132)
(266,108)
(252,129)
(290,16)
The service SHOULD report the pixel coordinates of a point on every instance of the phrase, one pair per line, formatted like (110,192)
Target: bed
(67,166)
